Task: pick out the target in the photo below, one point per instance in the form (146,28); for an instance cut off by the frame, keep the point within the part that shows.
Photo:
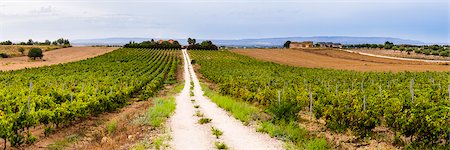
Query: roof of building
(329,43)
(304,42)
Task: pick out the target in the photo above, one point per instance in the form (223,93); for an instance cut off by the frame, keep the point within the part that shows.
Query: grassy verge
(290,132)
(159,142)
(65,142)
(240,110)
(156,116)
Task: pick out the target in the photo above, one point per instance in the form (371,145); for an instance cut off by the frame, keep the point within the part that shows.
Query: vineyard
(59,95)
(416,106)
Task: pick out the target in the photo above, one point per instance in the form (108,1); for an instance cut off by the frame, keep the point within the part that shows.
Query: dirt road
(188,134)
(63,55)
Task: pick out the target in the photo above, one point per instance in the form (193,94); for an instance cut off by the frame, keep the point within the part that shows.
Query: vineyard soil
(54,57)
(401,54)
(336,59)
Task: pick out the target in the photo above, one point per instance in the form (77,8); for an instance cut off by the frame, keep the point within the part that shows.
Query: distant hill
(261,42)
(107,41)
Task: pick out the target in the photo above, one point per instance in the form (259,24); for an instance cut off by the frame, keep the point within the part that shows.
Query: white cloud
(48,19)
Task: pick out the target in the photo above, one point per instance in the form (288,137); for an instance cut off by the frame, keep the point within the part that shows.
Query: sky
(423,20)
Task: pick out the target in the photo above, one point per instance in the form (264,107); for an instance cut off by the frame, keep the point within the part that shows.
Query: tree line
(205,45)
(437,50)
(60,42)
(154,44)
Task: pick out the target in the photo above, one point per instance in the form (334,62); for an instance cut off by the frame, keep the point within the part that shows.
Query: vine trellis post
(29,96)
(96,88)
(310,101)
(364,102)
(381,91)
(449,92)
(279,98)
(411,90)
(337,90)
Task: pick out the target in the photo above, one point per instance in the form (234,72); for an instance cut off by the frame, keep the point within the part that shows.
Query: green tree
(206,43)
(445,53)
(47,42)
(35,53)
(286,44)
(8,42)
(401,48)
(191,41)
(388,45)
(395,48)
(409,50)
(30,42)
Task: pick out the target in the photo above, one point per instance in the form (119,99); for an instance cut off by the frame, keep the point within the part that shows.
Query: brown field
(63,55)
(337,59)
(12,50)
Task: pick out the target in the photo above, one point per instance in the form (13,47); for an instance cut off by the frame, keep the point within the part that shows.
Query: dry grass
(13,50)
(337,59)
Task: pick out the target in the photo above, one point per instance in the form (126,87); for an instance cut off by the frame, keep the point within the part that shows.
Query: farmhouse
(304,44)
(329,44)
(170,41)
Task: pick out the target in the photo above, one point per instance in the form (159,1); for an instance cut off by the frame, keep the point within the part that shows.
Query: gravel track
(188,134)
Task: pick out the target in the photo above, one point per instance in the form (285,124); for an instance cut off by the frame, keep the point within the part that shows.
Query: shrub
(111,127)
(285,110)
(445,53)
(426,52)
(35,53)
(48,130)
(21,50)
(221,145)
(31,138)
(3,55)
(216,132)
(318,143)
(204,120)
(418,51)
(435,53)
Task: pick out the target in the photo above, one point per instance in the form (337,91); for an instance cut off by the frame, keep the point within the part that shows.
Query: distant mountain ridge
(262,42)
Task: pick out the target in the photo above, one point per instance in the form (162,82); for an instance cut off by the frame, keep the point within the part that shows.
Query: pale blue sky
(424,20)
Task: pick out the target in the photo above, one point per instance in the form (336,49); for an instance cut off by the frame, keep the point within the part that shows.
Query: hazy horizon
(426,21)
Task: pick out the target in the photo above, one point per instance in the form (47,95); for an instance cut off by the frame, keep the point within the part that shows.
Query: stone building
(329,45)
(304,44)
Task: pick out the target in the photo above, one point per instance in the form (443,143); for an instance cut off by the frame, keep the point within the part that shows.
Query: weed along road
(191,132)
